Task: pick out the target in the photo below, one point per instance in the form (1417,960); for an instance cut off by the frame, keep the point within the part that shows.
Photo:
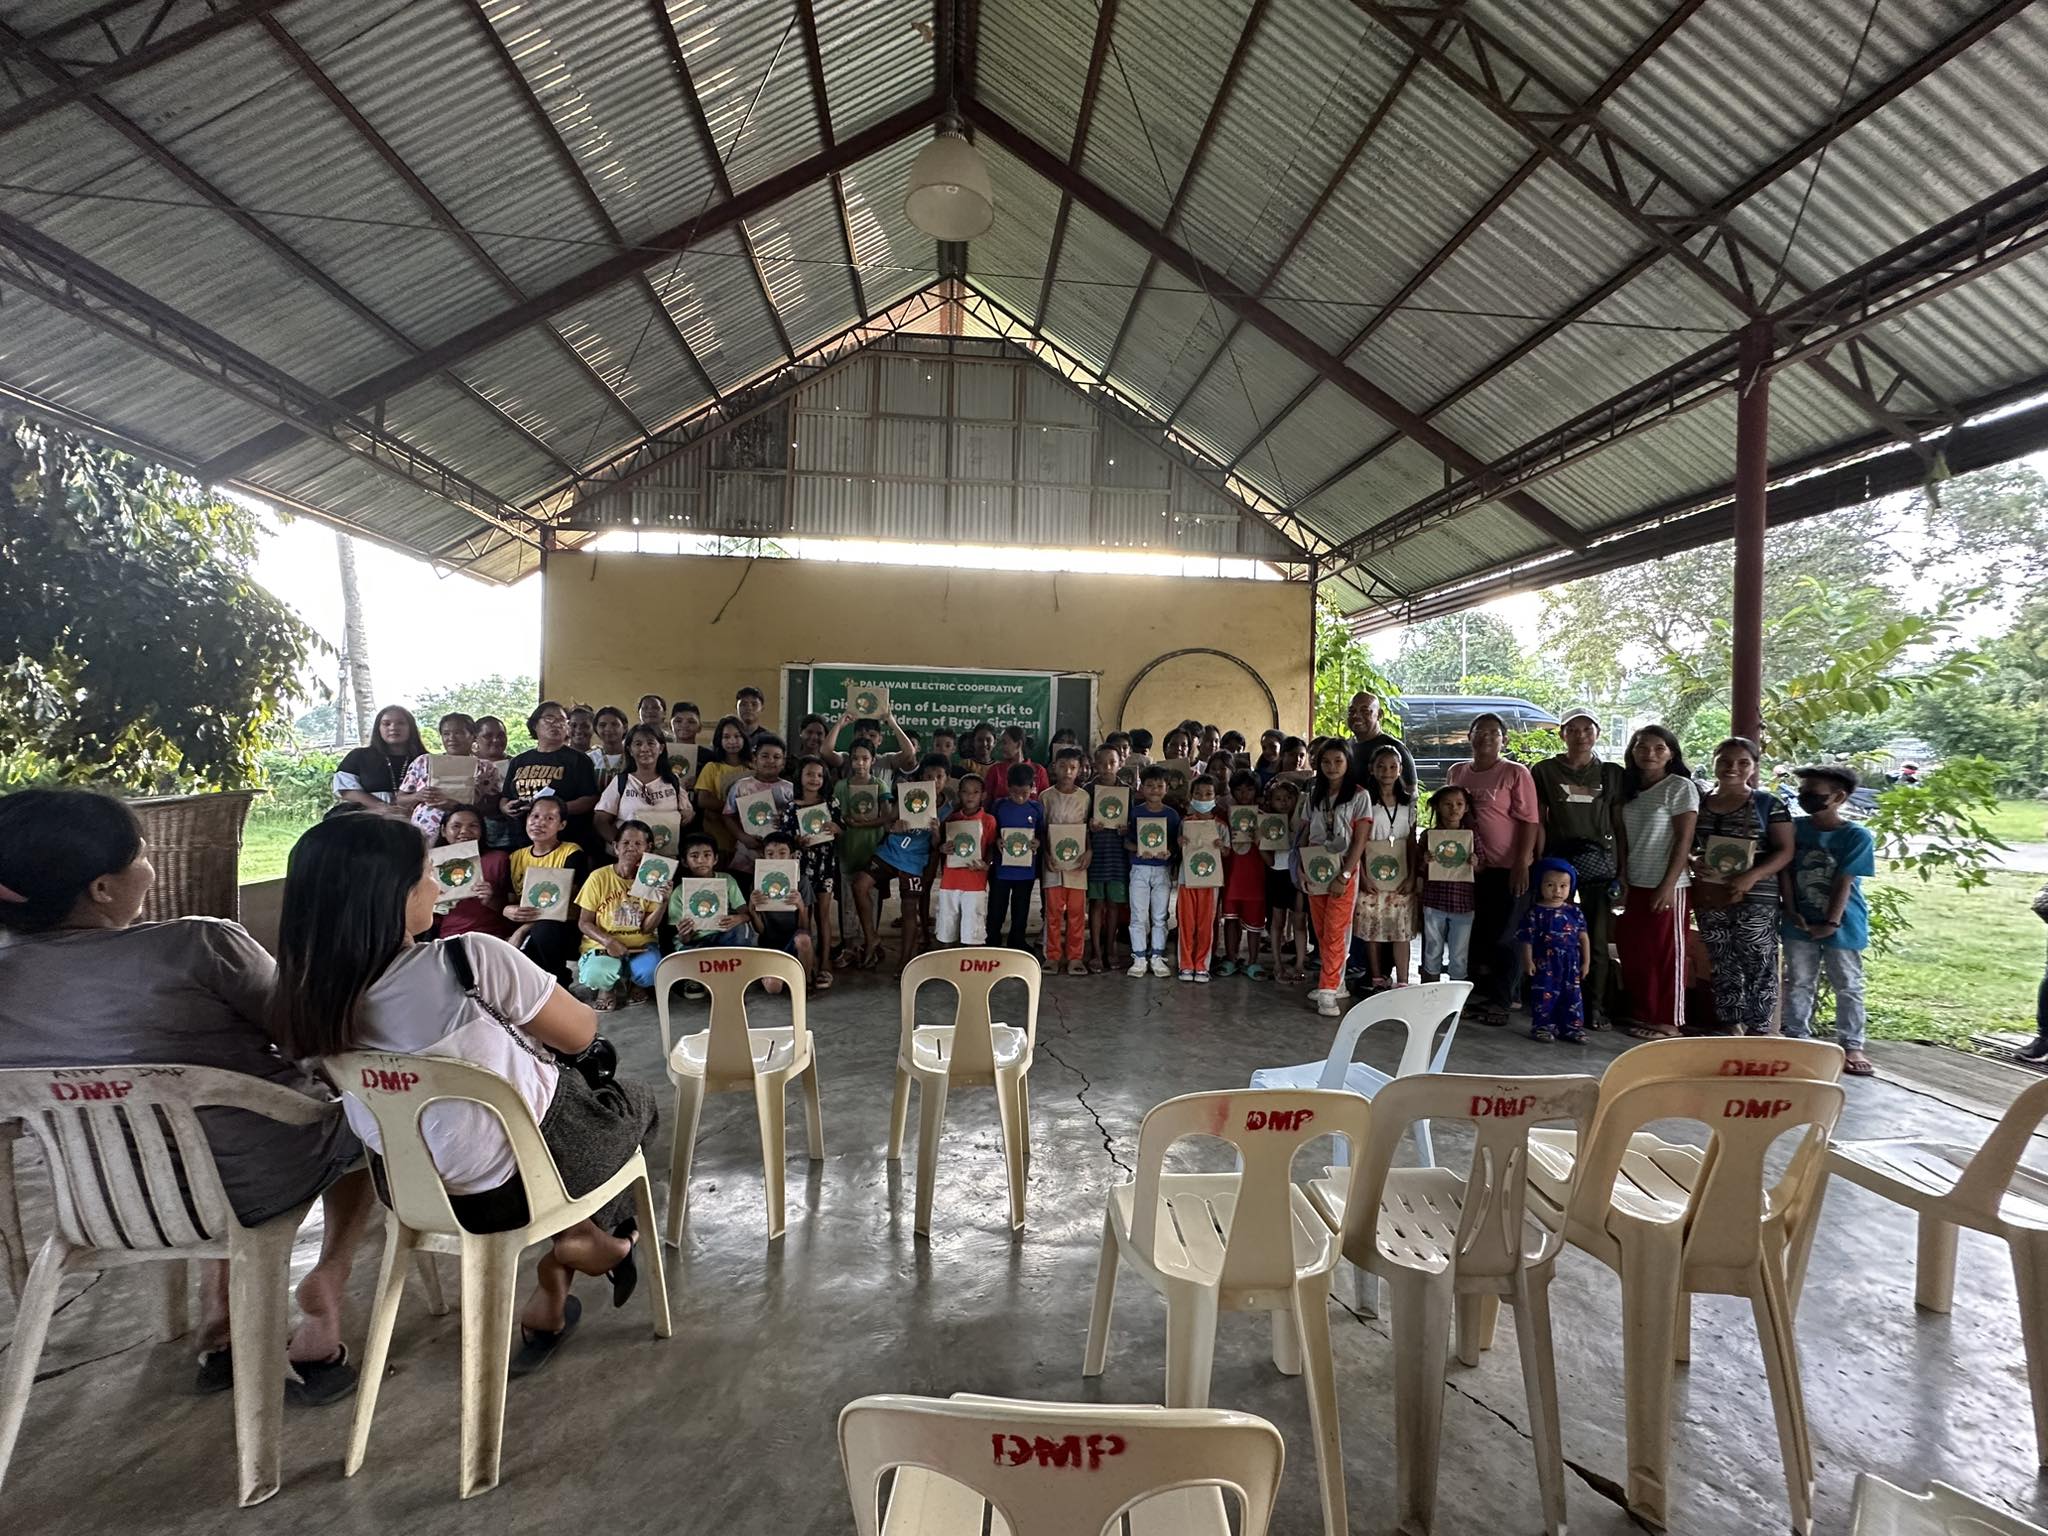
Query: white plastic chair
(729,1057)
(398,1090)
(13,1245)
(967,1463)
(133,1182)
(1249,1241)
(1883,1509)
(1986,1190)
(1421,1010)
(971,1051)
(1725,1234)
(1443,1241)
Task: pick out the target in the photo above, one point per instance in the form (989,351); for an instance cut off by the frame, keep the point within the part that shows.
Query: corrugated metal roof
(1734,87)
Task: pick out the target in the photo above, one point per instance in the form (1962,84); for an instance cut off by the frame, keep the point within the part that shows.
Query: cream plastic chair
(1443,1241)
(117,1142)
(1248,1241)
(1420,1010)
(398,1090)
(729,1057)
(1726,1234)
(971,1051)
(1882,1509)
(13,1245)
(1054,1469)
(1986,1190)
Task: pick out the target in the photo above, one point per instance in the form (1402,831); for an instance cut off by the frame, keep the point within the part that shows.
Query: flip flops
(537,1349)
(320,1382)
(625,1274)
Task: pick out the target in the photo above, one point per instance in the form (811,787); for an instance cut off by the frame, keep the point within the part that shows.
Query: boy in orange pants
(1197,904)
(1066,906)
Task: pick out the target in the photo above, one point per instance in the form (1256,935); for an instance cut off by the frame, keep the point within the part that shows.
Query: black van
(1436,727)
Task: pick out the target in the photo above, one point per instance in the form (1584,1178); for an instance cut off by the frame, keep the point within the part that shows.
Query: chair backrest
(972,974)
(1267,1126)
(117,1140)
(727,971)
(1421,1010)
(1747,1056)
(1501,1111)
(398,1089)
(1058,1469)
(1724,1214)
(1981,1190)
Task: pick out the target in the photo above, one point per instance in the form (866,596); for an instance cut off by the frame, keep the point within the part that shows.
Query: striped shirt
(1648,819)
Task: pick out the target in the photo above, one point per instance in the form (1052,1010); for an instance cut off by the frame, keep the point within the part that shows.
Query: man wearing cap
(1576,794)
(1367,738)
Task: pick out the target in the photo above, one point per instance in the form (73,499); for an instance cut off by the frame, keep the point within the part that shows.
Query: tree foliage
(1445,655)
(143,652)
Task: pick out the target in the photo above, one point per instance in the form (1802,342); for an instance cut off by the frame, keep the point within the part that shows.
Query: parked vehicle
(1436,727)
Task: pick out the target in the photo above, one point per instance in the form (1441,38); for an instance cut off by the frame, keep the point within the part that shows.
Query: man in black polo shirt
(1367,738)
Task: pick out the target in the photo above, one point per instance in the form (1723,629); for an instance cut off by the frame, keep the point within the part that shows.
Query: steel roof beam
(2001,229)
(1378,115)
(117,53)
(623,266)
(1645,195)
(1224,88)
(1288,337)
(60,277)
(1084,115)
(814,66)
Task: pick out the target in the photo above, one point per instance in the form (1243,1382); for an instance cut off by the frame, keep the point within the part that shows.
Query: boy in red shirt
(960,907)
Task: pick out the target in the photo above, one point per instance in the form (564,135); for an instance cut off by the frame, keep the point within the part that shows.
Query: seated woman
(83,984)
(352,978)
(483,909)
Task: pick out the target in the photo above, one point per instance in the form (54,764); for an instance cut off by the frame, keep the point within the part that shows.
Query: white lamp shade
(950,197)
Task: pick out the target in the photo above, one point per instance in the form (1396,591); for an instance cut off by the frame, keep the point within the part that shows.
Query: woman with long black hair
(1338,821)
(1653,826)
(351,977)
(371,775)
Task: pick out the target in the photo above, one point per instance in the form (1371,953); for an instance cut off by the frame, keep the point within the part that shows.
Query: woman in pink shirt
(1504,828)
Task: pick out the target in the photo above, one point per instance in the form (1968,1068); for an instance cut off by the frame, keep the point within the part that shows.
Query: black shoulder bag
(597,1063)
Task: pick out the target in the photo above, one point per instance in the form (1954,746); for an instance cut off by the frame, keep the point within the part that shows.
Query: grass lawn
(2020,821)
(1969,964)
(266,843)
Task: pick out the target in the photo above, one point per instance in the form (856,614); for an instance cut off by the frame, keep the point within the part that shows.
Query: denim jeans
(1803,962)
(1151,887)
(1446,943)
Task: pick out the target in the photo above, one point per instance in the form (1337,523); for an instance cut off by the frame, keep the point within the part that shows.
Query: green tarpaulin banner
(924,699)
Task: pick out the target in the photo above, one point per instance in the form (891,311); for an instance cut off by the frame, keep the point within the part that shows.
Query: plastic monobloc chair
(1444,1241)
(398,1090)
(134,1182)
(730,1057)
(1248,1241)
(1884,1509)
(971,1051)
(1724,1234)
(967,1463)
(1987,1190)
(13,1245)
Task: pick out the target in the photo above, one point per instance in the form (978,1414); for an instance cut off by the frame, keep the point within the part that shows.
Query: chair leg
(13,1245)
(2030,1272)
(490,1274)
(1649,1314)
(174,1299)
(1422,1342)
(430,1280)
(1478,1316)
(1309,1323)
(1539,1384)
(772,1111)
(399,1241)
(1425,1148)
(31,1329)
(1286,1342)
(1800,1250)
(1681,1329)
(1934,1267)
(1024,1117)
(655,1280)
(899,1115)
(1781,1366)
(1365,1291)
(931,1121)
(259,1326)
(1105,1299)
(814,1114)
(689,1106)
(1190,1344)
(1009,1115)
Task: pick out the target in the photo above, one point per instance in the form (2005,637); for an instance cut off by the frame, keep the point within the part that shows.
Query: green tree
(2002,715)
(1992,524)
(1345,667)
(143,652)
(511,699)
(1440,655)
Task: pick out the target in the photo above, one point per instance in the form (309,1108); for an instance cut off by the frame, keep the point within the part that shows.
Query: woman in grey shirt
(83,984)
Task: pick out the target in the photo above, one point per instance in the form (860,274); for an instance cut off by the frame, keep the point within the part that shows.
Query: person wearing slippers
(1653,827)
(1827,923)
(351,977)
(1501,803)
(82,983)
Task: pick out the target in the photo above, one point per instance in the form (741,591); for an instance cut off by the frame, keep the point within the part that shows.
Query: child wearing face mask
(1827,923)
(1196,905)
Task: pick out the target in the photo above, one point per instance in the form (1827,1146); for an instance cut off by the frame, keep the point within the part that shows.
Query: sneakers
(1160,967)
(2034,1051)
(1188,976)
(1137,967)
(1326,1005)
(1202,977)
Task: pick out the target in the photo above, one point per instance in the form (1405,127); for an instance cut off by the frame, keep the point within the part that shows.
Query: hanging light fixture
(950,197)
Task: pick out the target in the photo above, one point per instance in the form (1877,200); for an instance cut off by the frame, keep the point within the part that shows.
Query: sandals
(1649,1032)
(1859,1067)
(1253,971)
(822,981)
(316,1383)
(871,959)
(846,957)
(625,1274)
(606,1001)
(537,1349)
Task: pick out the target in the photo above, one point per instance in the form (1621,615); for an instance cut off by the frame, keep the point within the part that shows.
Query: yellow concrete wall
(618,625)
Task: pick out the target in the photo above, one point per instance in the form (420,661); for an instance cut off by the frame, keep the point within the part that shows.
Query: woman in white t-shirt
(350,977)
(1653,827)
(1338,821)
(646,784)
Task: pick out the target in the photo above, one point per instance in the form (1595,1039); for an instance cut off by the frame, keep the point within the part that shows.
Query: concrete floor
(728,1427)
